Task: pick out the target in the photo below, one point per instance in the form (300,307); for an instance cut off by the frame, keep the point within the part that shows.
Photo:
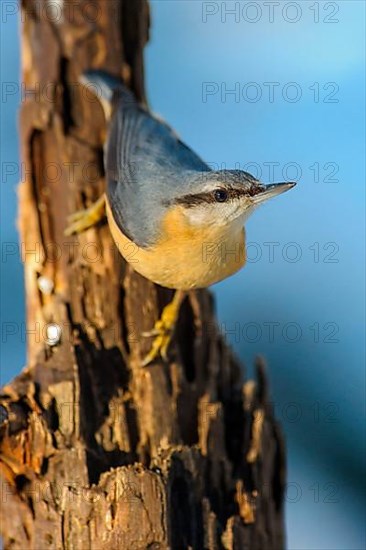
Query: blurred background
(277,89)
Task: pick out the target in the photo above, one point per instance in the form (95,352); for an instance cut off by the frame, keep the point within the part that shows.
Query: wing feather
(146,164)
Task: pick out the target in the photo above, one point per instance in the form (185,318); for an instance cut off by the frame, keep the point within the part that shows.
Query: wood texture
(96,451)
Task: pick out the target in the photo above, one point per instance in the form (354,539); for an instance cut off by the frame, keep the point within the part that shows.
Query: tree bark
(96,451)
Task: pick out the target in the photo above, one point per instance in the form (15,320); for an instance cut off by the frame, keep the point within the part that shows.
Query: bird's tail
(109,89)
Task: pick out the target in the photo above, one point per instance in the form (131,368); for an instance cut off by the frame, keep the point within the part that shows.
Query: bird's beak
(272,190)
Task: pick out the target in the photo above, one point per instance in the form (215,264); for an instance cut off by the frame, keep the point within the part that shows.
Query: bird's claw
(162,332)
(159,347)
(84,219)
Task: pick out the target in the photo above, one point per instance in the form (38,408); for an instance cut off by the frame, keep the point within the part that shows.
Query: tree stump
(96,451)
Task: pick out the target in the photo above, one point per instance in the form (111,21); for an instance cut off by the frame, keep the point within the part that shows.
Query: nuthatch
(173,218)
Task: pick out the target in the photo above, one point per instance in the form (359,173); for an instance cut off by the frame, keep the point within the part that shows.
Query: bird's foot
(83,219)
(163,330)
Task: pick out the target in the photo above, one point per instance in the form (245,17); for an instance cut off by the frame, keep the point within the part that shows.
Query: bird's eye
(221,195)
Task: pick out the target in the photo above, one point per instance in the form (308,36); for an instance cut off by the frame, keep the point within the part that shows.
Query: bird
(179,223)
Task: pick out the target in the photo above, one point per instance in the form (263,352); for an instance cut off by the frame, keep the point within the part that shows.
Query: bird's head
(224,197)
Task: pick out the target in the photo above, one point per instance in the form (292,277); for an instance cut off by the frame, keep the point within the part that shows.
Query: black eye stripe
(210,197)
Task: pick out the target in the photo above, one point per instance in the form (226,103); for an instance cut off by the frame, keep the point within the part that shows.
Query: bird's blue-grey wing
(146,165)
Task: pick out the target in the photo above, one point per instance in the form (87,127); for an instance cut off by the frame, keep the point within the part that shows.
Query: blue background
(315,304)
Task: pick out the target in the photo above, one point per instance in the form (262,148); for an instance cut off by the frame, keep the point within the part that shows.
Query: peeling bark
(96,451)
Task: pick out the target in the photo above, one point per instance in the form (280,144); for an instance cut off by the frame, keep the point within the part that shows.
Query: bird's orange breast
(185,256)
